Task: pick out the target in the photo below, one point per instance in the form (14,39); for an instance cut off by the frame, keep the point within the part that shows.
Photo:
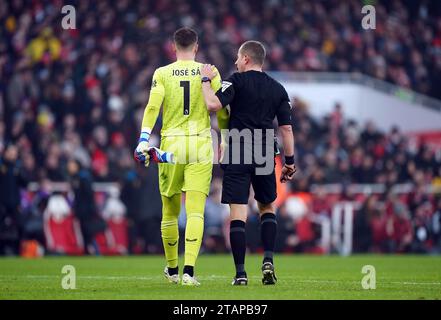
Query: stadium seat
(61,229)
(114,240)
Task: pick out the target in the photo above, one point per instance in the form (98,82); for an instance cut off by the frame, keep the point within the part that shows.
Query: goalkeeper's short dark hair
(185,38)
(255,50)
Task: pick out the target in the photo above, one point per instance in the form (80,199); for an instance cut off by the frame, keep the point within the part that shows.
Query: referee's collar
(254,71)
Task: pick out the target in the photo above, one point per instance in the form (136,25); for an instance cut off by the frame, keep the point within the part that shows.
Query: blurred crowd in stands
(404,215)
(71,102)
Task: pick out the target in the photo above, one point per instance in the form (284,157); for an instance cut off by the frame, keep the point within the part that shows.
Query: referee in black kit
(254,100)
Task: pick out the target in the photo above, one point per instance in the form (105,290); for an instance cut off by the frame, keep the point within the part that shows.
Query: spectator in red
(400,228)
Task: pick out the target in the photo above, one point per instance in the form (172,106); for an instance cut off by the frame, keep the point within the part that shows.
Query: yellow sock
(194,230)
(171,206)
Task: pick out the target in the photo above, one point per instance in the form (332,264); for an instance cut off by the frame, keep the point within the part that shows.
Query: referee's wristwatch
(205,79)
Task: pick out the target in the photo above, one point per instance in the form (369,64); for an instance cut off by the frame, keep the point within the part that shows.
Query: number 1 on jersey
(186,86)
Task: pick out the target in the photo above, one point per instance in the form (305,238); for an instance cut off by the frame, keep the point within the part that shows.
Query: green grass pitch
(300,277)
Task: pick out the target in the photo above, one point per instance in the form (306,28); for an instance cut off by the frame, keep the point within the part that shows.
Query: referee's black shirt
(254,99)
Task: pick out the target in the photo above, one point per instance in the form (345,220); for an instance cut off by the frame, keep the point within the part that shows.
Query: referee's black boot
(268,274)
(241,280)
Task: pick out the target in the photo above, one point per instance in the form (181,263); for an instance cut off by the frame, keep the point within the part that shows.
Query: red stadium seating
(63,236)
(114,240)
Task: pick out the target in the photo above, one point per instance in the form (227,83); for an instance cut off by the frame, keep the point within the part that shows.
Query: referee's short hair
(255,50)
(185,38)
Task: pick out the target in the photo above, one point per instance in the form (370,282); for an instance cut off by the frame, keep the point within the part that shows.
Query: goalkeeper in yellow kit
(186,134)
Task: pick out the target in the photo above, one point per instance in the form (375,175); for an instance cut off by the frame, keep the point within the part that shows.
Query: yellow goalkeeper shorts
(193,166)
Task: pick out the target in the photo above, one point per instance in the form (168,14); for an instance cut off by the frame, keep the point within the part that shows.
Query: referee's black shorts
(237,181)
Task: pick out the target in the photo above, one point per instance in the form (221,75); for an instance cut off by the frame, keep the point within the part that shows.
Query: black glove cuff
(289,160)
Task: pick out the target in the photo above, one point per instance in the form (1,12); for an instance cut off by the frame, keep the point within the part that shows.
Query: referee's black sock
(268,230)
(238,246)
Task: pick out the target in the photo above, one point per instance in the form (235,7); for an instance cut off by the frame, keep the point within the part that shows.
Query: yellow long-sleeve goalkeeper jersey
(177,87)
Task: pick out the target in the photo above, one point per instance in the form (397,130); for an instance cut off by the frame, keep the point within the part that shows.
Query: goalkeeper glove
(141,152)
(159,156)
